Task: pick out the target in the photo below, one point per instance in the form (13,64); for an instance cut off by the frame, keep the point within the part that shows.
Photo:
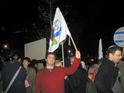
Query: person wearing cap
(51,78)
(108,71)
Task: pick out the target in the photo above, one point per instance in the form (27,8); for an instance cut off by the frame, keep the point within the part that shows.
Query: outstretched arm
(74,66)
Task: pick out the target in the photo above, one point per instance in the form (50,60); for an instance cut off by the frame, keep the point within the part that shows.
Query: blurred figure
(121,74)
(31,74)
(37,64)
(58,63)
(8,72)
(17,57)
(93,71)
(91,77)
(76,83)
(1,66)
(108,70)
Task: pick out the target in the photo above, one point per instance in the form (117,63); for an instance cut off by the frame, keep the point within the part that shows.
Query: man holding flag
(51,78)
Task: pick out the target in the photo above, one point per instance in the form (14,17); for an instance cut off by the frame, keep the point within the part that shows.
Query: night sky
(88,20)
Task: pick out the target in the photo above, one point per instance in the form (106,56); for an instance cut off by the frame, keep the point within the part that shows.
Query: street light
(5,46)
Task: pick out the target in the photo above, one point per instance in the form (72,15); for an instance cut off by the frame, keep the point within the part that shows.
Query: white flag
(100,52)
(60,31)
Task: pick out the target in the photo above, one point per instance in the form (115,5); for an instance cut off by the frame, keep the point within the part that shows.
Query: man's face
(25,63)
(116,56)
(51,59)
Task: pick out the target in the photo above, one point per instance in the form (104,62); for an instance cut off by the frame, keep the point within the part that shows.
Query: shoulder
(106,66)
(105,63)
(41,71)
(31,69)
(59,68)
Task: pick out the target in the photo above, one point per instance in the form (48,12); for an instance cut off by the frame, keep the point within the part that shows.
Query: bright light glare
(5,46)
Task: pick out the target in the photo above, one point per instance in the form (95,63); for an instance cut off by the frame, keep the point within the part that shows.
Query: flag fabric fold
(60,31)
(100,52)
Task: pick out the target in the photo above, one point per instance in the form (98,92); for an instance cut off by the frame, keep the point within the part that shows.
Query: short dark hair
(113,49)
(51,53)
(27,58)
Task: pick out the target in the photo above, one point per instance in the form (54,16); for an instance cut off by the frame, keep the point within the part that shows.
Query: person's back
(108,71)
(31,74)
(106,77)
(8,72)
(121,68)
(90,88)
(77,81)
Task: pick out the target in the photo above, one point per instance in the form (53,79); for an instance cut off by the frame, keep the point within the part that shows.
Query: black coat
(8,72)
(106,77)
(76,82)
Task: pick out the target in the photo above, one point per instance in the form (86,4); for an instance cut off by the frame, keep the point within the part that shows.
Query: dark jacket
(8,72)
(77,81)
(106,77)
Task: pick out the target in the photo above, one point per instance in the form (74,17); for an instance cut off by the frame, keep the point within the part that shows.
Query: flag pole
(63,58)
(73,43)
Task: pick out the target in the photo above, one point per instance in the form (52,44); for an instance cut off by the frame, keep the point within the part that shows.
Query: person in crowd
(58,63)
(1,66)
(38,64)
(92,71)
(77,81)
(108,71)
(51,78)
(8,71)
(31,74)
(120,84)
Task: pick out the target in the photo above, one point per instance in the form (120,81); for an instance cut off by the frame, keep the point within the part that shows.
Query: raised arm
(74,66)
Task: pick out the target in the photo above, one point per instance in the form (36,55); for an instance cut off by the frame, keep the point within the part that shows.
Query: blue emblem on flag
(57,29)
(57,32)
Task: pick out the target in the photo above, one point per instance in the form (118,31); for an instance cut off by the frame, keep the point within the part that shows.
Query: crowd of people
(23,75)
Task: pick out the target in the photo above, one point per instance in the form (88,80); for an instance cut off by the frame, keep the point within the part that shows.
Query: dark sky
(88,20)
